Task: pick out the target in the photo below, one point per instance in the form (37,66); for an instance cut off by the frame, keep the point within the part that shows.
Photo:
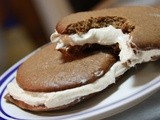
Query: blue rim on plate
(98,111)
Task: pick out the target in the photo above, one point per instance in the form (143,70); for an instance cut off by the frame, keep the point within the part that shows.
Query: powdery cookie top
(48,71)
(141,22)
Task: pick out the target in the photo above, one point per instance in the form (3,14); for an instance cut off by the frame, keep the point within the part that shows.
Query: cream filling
(105,36)
(108,36)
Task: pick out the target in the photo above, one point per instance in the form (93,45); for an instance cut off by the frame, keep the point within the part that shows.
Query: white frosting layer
(108,36)
(104,36)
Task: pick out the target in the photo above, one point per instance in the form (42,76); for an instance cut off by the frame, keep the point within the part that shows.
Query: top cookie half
(142,23)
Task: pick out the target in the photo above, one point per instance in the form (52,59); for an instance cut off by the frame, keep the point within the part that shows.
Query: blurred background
(26,25)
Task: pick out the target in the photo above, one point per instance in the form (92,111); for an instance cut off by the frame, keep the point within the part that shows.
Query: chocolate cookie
(49,71)
(142,22)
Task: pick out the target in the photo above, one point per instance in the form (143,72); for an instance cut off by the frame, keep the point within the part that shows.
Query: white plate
(132,88)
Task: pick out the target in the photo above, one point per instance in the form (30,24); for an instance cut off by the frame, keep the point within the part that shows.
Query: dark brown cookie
(48,71)
(141,22)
